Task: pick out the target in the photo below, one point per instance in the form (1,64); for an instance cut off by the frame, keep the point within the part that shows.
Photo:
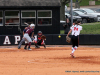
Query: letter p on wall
(17,38)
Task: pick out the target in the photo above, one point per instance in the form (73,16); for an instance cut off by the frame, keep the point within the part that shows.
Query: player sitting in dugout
(38,41)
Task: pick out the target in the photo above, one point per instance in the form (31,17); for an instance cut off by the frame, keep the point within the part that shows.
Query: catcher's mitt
(43,37)
(68,39)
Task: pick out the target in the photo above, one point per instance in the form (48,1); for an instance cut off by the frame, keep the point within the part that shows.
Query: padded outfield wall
(52,39)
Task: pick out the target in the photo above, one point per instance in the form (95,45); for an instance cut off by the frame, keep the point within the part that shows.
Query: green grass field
(89,28)
(86,2)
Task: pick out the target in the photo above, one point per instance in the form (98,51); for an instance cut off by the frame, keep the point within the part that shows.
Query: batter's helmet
(32,25)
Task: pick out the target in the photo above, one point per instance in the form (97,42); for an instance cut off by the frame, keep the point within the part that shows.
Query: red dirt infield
(55,60)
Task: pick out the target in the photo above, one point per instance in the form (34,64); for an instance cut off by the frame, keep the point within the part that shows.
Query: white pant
(27,37)
(31,39)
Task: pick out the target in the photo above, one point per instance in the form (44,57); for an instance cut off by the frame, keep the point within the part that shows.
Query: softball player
(38,41)
(26,36)
(23,39)
(75,36)
(32,38)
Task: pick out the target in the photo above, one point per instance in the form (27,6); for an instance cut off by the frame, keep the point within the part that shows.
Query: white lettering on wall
(17,38)
(7,41)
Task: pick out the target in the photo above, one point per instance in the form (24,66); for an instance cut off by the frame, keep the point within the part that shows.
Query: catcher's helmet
(39,33)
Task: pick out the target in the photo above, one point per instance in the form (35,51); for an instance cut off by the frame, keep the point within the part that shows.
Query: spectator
(41,21)
(9,22)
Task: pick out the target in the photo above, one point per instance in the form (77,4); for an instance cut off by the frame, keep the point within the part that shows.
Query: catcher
(39,41)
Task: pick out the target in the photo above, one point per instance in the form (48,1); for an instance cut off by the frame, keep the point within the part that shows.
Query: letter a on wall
(7,41)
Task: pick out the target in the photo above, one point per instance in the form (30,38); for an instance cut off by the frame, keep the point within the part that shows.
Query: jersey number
(27,30)
(75,28)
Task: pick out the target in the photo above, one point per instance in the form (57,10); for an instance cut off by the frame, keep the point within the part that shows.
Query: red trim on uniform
(35,41)
(75,48)
(39,38)
(42,42)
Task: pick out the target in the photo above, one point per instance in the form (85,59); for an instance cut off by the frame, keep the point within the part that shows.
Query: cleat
(72,55)
(25,48)
(29,49)
(37,47)
(44,46)
(19,48)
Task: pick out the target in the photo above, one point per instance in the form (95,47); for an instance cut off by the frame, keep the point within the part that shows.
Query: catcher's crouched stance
(39,41)
(75,36)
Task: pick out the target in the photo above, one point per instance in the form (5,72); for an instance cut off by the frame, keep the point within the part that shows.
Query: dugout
(45,14)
